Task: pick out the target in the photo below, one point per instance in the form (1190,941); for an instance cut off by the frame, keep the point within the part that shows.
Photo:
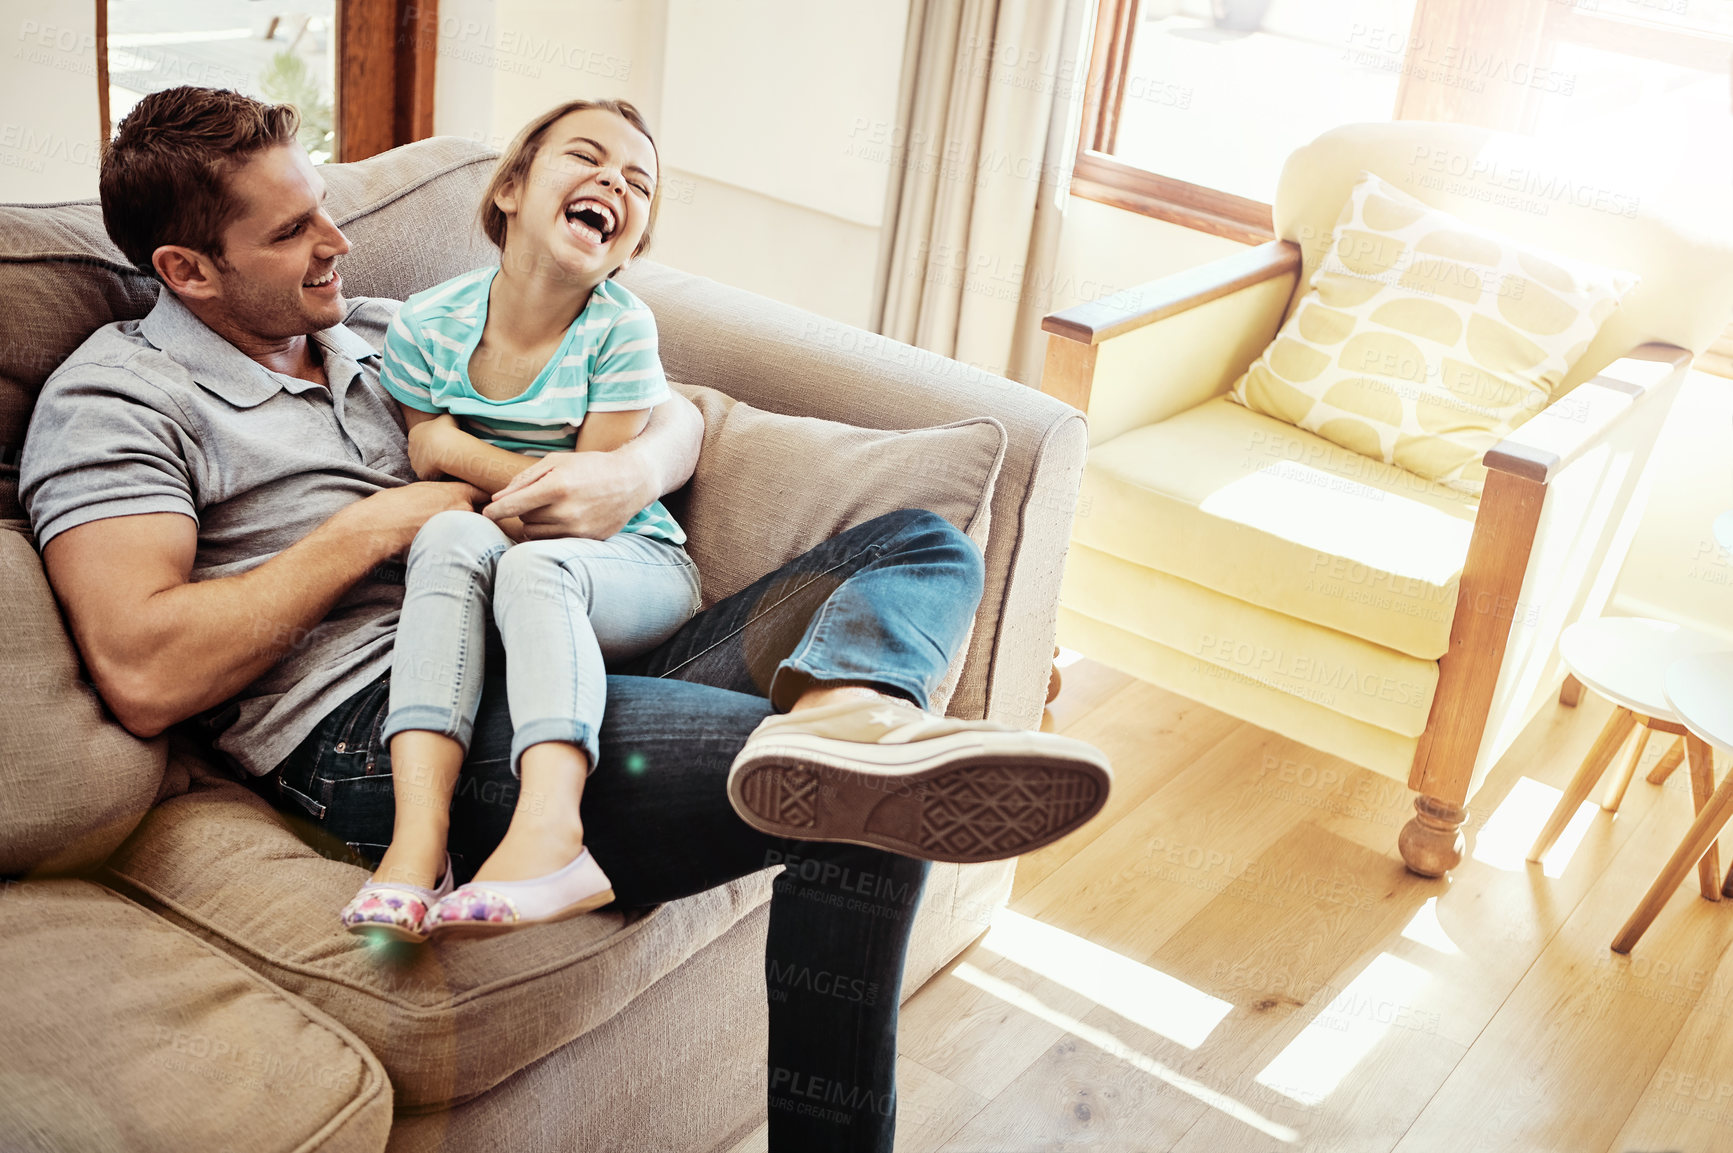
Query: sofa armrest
(1563,497)
(783,359)
(1584,417)
(1150,352)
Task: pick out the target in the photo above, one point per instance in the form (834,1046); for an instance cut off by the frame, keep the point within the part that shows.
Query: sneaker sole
(965,798)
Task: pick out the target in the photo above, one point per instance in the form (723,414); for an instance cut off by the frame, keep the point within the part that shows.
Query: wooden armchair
(1332,598)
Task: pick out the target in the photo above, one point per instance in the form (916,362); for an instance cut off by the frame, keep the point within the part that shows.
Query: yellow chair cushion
(1311,724)
(1423,340)
(1255,509)
(1228,639)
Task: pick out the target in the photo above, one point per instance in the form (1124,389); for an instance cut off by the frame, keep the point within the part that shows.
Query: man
(235,446)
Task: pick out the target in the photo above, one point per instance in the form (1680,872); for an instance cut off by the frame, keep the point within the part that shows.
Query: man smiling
(236,448)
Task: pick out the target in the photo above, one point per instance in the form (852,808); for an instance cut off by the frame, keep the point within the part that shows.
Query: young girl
(492,370)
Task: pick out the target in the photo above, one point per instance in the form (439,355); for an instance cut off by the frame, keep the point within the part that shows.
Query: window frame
(1100,176)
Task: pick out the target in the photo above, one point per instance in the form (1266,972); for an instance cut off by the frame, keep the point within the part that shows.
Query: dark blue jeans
(887,603)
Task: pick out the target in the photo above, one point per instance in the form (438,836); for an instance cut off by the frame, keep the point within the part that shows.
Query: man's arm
(161,647)
(594,494)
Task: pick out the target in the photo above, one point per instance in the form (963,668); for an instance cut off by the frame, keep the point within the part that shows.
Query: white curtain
(990,105)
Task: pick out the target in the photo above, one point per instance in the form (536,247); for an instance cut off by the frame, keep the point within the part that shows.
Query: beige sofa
(174,976)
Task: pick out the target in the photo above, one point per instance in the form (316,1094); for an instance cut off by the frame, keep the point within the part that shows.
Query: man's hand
(594,494)
(390,518)
(427,444)
(583,494)
(161,646)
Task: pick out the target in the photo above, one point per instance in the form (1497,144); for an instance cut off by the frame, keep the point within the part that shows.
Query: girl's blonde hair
(514,164)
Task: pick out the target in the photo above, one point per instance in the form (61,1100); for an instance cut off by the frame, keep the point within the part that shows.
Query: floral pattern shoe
(482,907)
(393,910)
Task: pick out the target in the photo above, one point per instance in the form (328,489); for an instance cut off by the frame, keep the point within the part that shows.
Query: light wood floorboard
(1232,959)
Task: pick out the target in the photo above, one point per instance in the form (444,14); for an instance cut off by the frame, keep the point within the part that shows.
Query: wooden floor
(1232,959)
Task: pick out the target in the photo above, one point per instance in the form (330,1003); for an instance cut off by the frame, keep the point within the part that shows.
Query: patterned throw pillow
(1423,341)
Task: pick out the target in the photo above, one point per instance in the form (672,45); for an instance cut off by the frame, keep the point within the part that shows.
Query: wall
(50,127)
(1103,250)
(1676,571)
(764,105)
(760,187)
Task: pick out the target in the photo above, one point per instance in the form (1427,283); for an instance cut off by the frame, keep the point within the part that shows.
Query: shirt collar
(227,371)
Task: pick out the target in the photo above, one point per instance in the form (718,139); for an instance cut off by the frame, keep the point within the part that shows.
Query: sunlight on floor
(1119,1050)
(1425,929)
(1144,996)
(1067,658)
(1336,1040)
(1513,826)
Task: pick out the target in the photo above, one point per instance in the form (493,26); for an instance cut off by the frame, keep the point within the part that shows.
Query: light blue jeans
(562,608)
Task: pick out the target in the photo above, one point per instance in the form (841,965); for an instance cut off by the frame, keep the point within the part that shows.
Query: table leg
(1621,781)
(1701,759)
(1571,693)
(1702,834)
(1601,753)
(1670,760)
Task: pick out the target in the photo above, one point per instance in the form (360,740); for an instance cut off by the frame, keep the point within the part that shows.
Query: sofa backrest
(1556,199)
(63,278)
(411,216)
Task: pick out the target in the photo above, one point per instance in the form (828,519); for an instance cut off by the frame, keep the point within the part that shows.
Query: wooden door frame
(386,50)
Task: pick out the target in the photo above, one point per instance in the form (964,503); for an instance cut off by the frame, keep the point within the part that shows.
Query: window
(359,71)
(1194,104)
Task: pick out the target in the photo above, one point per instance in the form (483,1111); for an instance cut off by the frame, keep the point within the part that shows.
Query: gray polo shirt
(164,415)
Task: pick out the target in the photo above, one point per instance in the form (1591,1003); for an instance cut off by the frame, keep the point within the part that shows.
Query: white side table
(1625,659)
(1724,530)
(1700,691)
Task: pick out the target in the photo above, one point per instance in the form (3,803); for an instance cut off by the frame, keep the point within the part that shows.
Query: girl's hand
(427,444)
(584,494)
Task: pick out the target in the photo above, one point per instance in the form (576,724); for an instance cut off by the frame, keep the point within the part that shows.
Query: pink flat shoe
(394,911)
(483,907)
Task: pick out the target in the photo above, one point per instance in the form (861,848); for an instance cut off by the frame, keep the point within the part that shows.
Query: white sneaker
(886,774)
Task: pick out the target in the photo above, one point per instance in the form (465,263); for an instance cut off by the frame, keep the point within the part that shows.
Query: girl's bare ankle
(413,861)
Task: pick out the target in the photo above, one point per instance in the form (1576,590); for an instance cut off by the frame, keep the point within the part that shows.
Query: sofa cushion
(1318,726)
(770,486)
(449,1019)
(73,783)
(1423,340)
(1232,639)
(1243,504)
(123,1032)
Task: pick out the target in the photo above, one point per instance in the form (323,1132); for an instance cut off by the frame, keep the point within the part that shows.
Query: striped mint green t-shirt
(607,363)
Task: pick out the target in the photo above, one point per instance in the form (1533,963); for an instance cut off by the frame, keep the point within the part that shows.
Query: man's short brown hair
(514,164)
(165,175)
